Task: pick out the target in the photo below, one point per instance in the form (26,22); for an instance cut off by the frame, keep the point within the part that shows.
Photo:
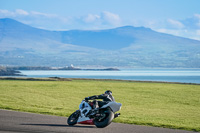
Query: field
(153,104)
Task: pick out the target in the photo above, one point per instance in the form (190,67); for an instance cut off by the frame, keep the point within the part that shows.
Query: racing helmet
(108,92)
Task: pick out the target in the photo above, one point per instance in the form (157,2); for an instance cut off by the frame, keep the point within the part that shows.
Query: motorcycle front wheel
(101,123)
(73,118)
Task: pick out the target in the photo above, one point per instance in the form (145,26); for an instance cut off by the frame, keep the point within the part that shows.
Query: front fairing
(84,108)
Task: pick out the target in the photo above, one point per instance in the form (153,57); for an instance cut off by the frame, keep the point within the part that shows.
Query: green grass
(154,104)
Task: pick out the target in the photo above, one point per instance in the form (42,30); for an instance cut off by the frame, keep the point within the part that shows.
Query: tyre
(101,123)
(73,118)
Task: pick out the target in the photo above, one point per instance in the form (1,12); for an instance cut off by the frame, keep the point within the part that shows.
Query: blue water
(166,75)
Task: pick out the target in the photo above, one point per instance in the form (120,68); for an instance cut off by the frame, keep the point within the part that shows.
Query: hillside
(126,46)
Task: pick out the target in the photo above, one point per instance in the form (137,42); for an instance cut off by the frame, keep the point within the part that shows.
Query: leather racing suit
(106,99)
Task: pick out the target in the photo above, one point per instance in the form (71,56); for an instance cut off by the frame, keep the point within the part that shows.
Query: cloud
(170,31)
(91,18)
(36,19)
(17,12)
(6,13)
(111,18)
(192,34)
(34,13)
(192,22)
(175,24)
(99,21)
(198,19)
(198,32)
(21,12)
(197,16)
(188,27)
(103,20)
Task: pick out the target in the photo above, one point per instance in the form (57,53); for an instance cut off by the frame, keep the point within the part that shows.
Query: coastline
(140,75)
(62,68)
(15,71)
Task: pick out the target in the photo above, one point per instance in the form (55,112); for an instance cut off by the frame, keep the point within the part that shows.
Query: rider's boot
(116,115)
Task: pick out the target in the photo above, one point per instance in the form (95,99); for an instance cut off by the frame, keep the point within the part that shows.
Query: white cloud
(105,18)
(21,12)
(17,12)
(175,23)
(91,18)
(197,15)
(53,22)
(111,18)
(172,31)
(36,19)
(34,13)
(188,27)
(192,34)
(198,33)
(6,13)
(192,22)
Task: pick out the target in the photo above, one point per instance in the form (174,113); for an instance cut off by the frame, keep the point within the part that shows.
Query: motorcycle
(100,117)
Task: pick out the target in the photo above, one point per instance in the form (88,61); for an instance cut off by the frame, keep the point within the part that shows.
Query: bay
(165,75)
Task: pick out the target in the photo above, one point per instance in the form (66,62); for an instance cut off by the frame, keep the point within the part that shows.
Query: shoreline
(71,79)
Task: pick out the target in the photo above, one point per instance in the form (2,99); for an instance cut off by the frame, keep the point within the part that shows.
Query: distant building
(72,66)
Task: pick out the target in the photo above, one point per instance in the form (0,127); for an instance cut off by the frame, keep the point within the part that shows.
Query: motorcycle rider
(107,97)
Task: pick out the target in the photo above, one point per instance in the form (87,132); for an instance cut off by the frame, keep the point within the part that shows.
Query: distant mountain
(126,46)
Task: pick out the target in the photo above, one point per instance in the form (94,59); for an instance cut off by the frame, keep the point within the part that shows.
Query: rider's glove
(86,99)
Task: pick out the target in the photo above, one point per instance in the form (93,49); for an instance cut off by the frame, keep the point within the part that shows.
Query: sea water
(166,75)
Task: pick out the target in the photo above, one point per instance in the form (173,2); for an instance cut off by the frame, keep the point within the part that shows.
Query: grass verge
(154,104)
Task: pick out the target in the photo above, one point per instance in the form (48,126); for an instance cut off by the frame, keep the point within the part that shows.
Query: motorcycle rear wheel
(73,118)
(106,121)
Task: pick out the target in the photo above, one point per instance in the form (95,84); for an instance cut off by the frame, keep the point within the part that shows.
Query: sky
(176,17)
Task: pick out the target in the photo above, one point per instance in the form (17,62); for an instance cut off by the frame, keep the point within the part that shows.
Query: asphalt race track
(19,122)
